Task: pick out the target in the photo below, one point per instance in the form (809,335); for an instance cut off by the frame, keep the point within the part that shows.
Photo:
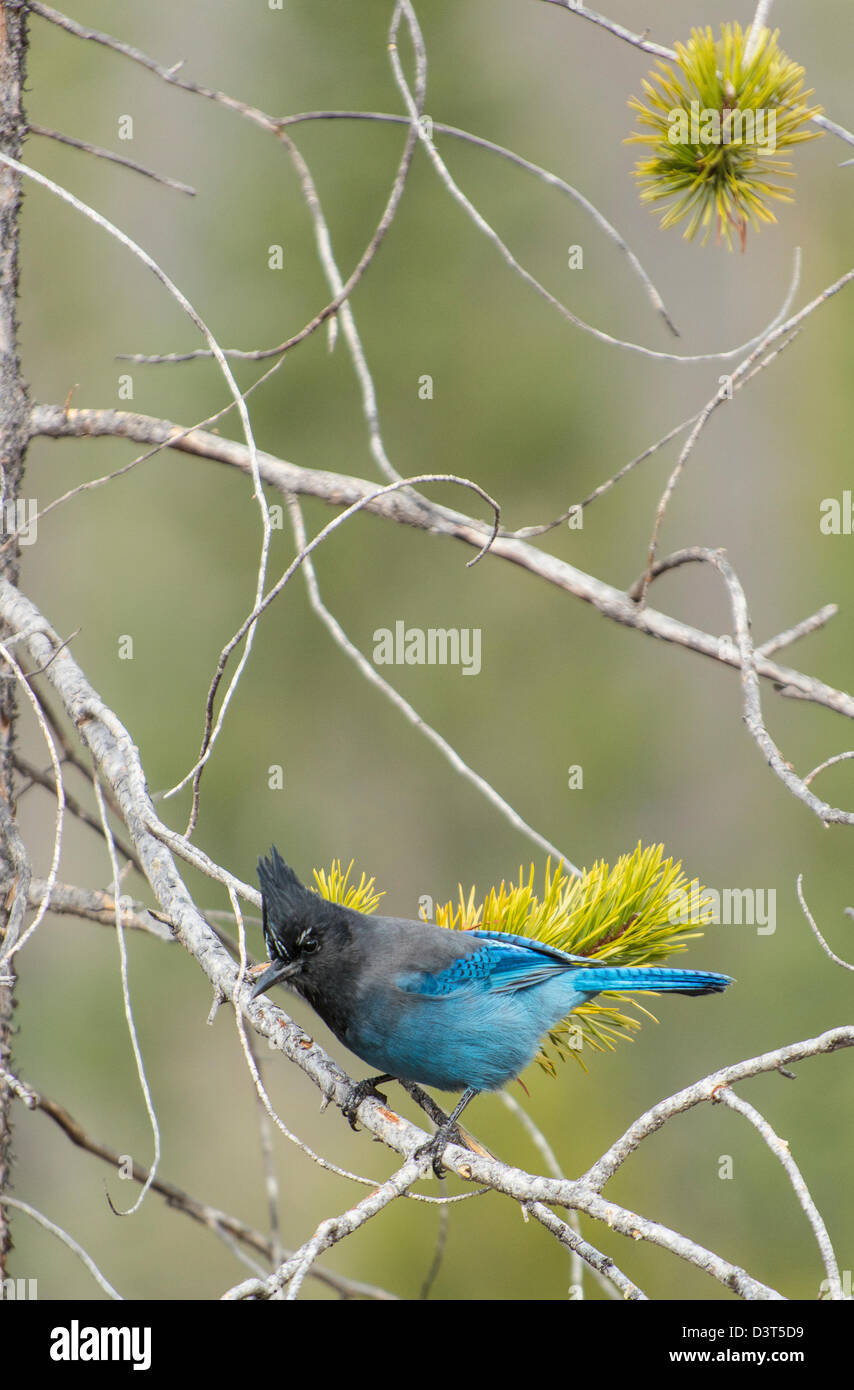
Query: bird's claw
(447,1133)
(360,1092)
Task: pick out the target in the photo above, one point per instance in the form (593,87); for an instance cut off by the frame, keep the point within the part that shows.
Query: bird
(455,1010)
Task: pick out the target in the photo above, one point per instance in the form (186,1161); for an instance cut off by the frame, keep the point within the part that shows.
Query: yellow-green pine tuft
(335,886)
(731,115)
(620,916)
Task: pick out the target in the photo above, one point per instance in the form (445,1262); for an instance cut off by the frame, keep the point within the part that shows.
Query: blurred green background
(538,413)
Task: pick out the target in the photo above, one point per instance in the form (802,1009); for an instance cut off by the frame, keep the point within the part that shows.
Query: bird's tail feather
(660,979)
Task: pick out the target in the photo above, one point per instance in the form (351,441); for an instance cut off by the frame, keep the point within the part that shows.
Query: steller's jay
(459,1010)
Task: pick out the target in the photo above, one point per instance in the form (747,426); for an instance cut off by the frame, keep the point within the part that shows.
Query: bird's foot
(360,1092)
(447,1133)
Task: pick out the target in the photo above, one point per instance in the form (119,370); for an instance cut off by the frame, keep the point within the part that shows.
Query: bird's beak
(279,972)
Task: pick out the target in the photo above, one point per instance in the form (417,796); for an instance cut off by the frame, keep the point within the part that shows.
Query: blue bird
(458,1010)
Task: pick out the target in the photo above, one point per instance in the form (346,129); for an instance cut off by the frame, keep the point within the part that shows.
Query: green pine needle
(336,888)
(719,171)
(619,916)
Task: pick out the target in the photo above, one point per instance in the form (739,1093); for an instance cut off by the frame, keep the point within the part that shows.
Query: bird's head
(297,924)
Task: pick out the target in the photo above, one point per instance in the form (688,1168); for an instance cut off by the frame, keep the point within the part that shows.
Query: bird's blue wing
(529,943)
(504,963)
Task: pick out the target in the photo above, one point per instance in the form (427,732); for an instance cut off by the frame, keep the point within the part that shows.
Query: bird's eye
(308,943)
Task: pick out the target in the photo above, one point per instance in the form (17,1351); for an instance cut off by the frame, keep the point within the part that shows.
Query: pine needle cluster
(637,913)
(715,127)
(335,886)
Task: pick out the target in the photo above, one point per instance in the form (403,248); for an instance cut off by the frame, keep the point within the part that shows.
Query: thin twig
(438,1252)
(268,1161)
(213,726)
(524,532)
(706,1090)
(340,489)
(760,22)
(549,1157)
(97,905)
(837,960)
(618,30)
(292,1272)
(782,330)
(606,1270)
(641,41)
(546,175)
(406,709)
(66,1239)
(118,762)
(828,762)
(749,678)
(489,232)
(114,158)
(211,730)
(220,1222)
(72,805)
(128,1007)
(13,939)
(780,1149)
(793,634)
(152,265)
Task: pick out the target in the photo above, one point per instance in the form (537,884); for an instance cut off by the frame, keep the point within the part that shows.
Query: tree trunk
(14,415)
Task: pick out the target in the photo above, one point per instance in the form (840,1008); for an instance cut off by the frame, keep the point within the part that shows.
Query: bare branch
(837,960)
(706,1090)
(546,175)
(118,762)
(780,1149)
(96,905)
(66,1239)
(828,762)
(793,634)
(35,774)
(749,678)
(343,489)
(641,41)
(112,157)
(128,1007)
(291,1274)
(618,30)
(602,1265)
(760,22)
(220,1222)
(406,709)
(13,941)
(489,232)
(773,336)
(237,397)
(166,74)
(213,727)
